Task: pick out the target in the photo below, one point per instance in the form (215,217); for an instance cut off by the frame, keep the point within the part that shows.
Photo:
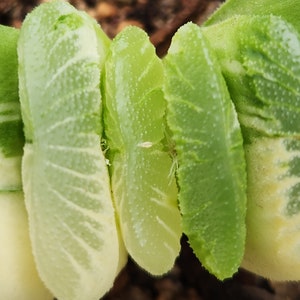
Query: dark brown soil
(187,280)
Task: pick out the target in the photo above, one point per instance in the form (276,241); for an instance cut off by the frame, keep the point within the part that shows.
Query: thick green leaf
(18,275)
(66,183)
(212,172)
(11,133)
(260,59)
(143,184)
(287,9)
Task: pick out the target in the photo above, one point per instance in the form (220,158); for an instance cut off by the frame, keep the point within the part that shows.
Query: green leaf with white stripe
(143,184)
(11,133)
(18,275)
(272,247)
(209,146)
(66,183)
(260,59)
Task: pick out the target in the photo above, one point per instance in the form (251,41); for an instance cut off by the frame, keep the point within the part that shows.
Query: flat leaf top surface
(65,177)
(272,60)
(143,185)
(288,9)
(262,71)
(208,140)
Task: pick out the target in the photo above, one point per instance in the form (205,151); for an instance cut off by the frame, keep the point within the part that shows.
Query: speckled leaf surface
(211,173)
(288,9)
(65,177)
(143,184)
(262,70)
